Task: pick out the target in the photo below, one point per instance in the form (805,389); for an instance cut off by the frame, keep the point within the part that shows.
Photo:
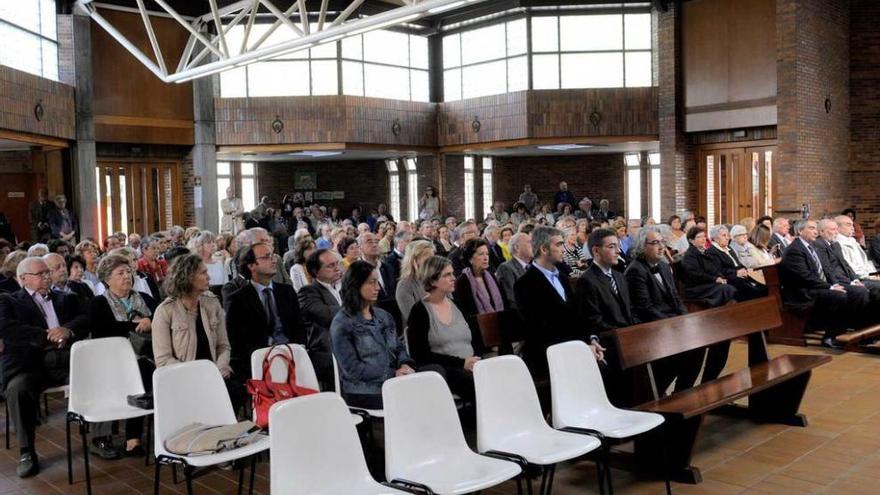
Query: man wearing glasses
(320,301)
(37,327)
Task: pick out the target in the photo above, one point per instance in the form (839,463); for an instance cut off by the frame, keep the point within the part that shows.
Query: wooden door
(17,191)
(138,197)
(736,183)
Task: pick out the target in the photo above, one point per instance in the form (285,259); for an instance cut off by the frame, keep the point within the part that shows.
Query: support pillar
(83,152)
(204,155)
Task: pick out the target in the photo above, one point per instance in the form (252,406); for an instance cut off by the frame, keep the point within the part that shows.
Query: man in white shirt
(852,252)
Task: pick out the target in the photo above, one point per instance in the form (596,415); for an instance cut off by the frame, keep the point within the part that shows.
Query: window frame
(469,188)
(633,205)
(393,187)
(41,38)
(412,188)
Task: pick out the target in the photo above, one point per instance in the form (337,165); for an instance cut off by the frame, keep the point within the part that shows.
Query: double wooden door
(138,197)
(736,183)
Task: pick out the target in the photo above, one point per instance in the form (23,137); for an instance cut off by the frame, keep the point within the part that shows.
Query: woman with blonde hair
(89,252)
(204,244)
(409,288)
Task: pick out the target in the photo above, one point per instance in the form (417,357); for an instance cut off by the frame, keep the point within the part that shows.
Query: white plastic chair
(579,401)
(103,373)
(194,392)
(509,419)
(305,370)
(314,449)
(372,413)
(424,443)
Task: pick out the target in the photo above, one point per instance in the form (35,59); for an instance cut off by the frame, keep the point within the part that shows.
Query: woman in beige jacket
(190,324)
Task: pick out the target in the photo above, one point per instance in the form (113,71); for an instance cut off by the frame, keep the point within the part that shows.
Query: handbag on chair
(265,392)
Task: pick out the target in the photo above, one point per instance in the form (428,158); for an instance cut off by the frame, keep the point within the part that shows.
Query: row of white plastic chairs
(314,445)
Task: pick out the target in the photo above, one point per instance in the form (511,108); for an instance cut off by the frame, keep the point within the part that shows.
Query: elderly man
(511,271)
(37,326)
(466,231)
(604,212)
(781,236)
(585,210)
(731,268)
(232,213)
(62,221)
(563,195)
(60,282)
(804,281)
(862,294)
(852,251)
(319,302)
(528,198)
(134,242)
(393,260)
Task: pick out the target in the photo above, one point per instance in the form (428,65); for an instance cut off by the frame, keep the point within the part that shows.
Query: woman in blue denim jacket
(364,340)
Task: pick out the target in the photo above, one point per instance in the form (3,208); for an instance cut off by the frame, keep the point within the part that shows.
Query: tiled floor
(838,453)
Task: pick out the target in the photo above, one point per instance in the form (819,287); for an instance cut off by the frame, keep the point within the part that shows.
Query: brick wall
(365,182)
(864,172)
(20,93)
(594,176)
(813,64)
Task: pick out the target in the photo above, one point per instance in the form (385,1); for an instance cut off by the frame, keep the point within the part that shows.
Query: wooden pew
(794,317)
(774,386)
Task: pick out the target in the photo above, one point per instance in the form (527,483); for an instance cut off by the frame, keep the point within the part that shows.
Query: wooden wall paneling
(163,212)
(177,195)
(20,92)
(104,211)
(150,221)
(114,199)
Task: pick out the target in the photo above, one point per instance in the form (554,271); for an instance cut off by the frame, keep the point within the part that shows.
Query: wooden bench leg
(680,438)
(780,403)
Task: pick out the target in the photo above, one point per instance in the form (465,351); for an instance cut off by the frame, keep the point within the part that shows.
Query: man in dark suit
(654,296)
(546,302)
(780,240)
(804,281)
(466,231)
(60,282)
(8,284)
(390,268)
(37,327)
(733,271)
(861,294)
(511,271)
(369,245)
(319,302)
(38,214)
(261,312)
(492,234)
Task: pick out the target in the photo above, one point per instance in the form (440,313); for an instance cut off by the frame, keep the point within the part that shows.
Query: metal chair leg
(147,439)
(240,478)
(253,472)
(156,478)
(46,405)
(550,479)
(187,472)
(606,452)
(83,427)
(7,423)
(69,453)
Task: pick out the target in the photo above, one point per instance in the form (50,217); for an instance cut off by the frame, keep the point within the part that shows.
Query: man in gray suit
(509,272)
(319,302)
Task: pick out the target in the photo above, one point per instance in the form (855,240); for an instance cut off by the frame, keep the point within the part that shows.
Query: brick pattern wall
(501,117)
(20,92)
(452,202)
(594,176)
(864,173)
(813,64)
(324,119)
(622,112)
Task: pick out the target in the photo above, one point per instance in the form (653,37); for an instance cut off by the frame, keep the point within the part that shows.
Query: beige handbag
(198,439)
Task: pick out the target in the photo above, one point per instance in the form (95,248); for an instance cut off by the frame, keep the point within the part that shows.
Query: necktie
(267,306)
(613,283)
(818,263)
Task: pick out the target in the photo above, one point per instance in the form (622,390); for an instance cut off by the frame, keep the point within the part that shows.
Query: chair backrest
(336,384)
(576,385)
(187,393)
(421,422)
(103,372)
(507,402)
(647,342)
(490,328)
(314,446)
(305,371)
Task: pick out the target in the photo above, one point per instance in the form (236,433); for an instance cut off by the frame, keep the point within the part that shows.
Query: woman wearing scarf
(476,290)
(120,312)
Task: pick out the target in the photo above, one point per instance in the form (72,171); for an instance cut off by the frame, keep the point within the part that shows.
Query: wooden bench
(774,387)
(794,318)
(692,305)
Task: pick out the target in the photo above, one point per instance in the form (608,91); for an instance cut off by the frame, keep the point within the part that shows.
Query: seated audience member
(498,213)
(428,231)
(585,210)
(858,234)
(759,239)
(654,296)
(511,271)
(409,288)
(349,250)
(861,294)
(150,263)
(476,289)
(8,269)
(492,235)
(563,195)
(437,332)
(299,276)
(325,241)
(190,323)
(118,312)
(466,231)
(444,240)
(804,281)
(702,277)
(262,312)
(60,247)
(875,244)
(143,282)
(364,339)
(249,237)
(520,213)
(731,269)
(38,250)
(37,327)
(572,255)
(76,266)
(528,199)
(604,212)
(740,245)
(504,243)
(623,238)
(781,238)
(392,262)
(545,300)
(319,302)
(369,247)
(204,244)
(852,251)
(62,283)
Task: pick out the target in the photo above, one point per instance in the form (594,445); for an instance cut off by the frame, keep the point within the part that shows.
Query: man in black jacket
(320,301)
(546,302)
(261,312)
(466,231)
(733,271)
(390,268)
(804,281)
(37,327)
(654,296)
(861,294)
(61,283)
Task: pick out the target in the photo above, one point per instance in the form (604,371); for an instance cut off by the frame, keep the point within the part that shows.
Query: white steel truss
(208,49)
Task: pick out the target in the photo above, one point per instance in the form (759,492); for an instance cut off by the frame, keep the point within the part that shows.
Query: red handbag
(265,392)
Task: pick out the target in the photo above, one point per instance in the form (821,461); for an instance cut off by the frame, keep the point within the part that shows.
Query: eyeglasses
(44,273)
(652,243)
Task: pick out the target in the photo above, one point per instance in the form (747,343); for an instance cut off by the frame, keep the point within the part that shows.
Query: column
(83,151)
(205,155)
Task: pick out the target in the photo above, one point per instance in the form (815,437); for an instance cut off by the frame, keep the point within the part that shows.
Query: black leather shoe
(137,451)
(830,343)
(103,448)
(28,465)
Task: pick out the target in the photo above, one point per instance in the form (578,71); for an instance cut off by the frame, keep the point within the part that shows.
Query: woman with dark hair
(120,312)
(287,211)
(299,276)
(364,339)
(349,250)
(476,290)
(438,333)
(429,204)
(701,274)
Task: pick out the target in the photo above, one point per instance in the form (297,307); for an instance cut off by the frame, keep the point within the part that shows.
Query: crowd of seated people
(384,298)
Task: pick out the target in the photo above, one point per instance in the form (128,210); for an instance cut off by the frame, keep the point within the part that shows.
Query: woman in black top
(477,290)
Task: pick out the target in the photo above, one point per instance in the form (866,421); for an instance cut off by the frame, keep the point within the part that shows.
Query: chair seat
(357,419)
(547,446)
(365,487)
(60,388)
(259,445)
(98,413)
(617,423)
(375,413)
(464,473)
